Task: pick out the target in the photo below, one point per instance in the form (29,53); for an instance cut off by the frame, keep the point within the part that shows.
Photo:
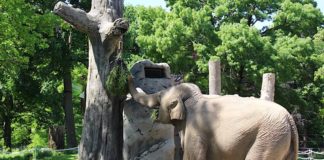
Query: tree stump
(56,137)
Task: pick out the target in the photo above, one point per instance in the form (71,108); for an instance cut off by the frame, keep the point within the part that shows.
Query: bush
(24,155)
(62,156)
(38,138)
(41,154)
(28,154)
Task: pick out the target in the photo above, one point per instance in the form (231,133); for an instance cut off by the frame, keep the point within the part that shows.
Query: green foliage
(38,137)
(154,114)
(31,63)
(293,57)
(22,33)
(44,154)
(252,10)
(116,83)
(22,128)
(23,155)
(2,140)
(40,154)
(299,19)
(60,156)
(184,34)
(244,54)
(318,57)
(34,52)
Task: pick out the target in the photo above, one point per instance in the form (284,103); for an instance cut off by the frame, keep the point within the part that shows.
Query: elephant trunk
(149,100)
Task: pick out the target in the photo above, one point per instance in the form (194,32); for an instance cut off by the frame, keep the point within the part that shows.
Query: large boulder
(144,139)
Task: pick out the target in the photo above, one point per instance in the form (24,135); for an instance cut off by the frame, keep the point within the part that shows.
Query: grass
(62,156)
(41,155)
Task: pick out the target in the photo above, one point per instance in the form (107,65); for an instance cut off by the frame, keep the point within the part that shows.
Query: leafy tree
(32,63)
(298,18)
(21,37)
(251,10)
(184,34)
(245,55)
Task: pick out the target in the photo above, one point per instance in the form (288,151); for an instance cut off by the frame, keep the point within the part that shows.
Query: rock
(144,139)
(155,152)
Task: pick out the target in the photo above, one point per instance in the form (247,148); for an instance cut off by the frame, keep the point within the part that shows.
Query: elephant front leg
(195,148)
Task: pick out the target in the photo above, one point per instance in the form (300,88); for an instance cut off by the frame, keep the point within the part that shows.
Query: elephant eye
(173,104)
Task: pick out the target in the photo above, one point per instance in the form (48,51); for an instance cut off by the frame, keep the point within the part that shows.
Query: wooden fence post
(268,86)
(214,77)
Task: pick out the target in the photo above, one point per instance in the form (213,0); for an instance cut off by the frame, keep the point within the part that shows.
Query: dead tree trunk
(268,86)
(102,127)
(214,77)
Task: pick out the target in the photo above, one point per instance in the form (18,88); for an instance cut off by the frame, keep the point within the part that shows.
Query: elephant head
(172,101)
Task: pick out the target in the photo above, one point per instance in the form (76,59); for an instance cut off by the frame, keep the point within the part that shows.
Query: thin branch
(76,17)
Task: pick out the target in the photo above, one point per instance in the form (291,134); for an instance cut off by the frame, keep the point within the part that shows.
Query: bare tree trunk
(268,86)
(67,96)
(214,77)
(7,119)
(7,131)
(102,127)
(240,80)
(68,109)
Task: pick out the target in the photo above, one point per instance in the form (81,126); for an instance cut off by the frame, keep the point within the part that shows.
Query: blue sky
(320,3)
(146,2)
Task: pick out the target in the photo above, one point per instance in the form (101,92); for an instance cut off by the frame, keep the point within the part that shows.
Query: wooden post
(214,77)
(268,86)
(102,134)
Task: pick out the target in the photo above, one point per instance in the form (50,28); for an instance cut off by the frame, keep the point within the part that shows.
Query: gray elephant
(224,127)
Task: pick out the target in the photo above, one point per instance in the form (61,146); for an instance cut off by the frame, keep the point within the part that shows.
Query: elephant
(226,127)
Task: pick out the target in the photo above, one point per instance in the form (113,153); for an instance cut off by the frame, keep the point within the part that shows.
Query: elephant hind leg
(268,149)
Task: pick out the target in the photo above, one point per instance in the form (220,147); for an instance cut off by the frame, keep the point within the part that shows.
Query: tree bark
(56,137)
(268,86)
(102,125)
(240,79)
(83,101)
(7,119)
(68,109)
(7,132)
(214,77)
(67,96)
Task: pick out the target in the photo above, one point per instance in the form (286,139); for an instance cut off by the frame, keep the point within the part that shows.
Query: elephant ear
(177,110)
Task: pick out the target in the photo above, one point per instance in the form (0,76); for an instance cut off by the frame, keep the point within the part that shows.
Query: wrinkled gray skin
(224,127)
